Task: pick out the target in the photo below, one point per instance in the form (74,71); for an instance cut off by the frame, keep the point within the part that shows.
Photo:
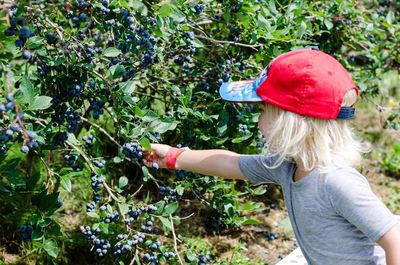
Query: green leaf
(190,255)
(111,52)
(40,103)
(93,215)
(170,208)
(145,173)
(241,139)
(37,234)
(50,245)
(138,111)
(34,42)
(104,228)
(328,24)
(124,208)
(160,207)
(301,30)
(188,97)
(117,160)
(165,10)
(197,43)
(116,71)
(260,190)
(145,143)
(28,90)
(46,202)
(166,223)
(122,182)
(128,87)
(222,125)
(3,189)
(163,126)
(65,183)
(251,222)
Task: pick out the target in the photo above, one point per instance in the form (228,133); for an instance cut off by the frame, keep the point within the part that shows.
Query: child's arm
(214,162)
(390,242)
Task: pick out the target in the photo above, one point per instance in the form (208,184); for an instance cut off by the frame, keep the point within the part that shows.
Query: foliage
(389,161)
(86,85)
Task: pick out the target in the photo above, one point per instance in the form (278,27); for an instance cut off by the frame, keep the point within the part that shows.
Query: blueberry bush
(86,86)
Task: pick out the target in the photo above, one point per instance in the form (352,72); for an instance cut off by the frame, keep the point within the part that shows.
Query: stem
(101,130)
(93,169)
(175,243)
(254,47)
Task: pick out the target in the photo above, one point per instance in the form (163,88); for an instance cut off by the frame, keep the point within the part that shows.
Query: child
(305,98)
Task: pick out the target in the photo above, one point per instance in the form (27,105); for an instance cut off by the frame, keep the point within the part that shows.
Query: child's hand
(157,156)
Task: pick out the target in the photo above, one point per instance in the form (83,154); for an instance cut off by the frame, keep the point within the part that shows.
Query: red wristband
(172,155)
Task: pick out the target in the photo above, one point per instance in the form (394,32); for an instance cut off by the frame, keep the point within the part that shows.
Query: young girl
(305,99)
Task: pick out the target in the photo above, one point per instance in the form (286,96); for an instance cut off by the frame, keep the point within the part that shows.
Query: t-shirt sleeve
(255,168)
(351,197)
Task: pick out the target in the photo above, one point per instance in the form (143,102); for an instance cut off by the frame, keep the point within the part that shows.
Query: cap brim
(240,91)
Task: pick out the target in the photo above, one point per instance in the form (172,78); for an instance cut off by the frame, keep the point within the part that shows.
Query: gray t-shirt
(336,217)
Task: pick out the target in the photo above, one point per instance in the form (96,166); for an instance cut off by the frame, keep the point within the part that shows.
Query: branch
(175,243)
(101,130)
(254,47)
(93,169)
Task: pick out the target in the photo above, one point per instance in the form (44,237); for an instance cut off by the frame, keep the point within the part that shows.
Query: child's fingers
(148,163)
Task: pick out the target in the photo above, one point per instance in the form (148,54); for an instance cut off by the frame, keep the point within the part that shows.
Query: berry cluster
(60,138)
(169,254)
(134,214)
(148,227)
(97,182)
(199,8)
(126,244)
(203,259)
(89,234)
(181,174)
(32,142)
(170,194)
(151,258)
(73,120)
(88,140)
(75,90)
(101,247)
(71,159)
(99,164)
(133,151)
(97,108)
(243,129)
(114,217)
(25,232)
(91,206)
(9,105)
(29,136)
(270,235)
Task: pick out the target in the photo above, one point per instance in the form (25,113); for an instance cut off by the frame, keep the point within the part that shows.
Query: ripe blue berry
(25,149)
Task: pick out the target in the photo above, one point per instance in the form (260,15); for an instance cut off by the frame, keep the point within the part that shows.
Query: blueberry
(10,105)
(51,38)
(10,97)
(25,33)
(9,32)
(25,149)
(26,55)
(19,43)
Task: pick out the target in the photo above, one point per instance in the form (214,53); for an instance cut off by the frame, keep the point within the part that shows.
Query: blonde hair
(312,141)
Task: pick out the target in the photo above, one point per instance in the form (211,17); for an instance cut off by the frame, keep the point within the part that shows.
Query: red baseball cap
(308,82)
